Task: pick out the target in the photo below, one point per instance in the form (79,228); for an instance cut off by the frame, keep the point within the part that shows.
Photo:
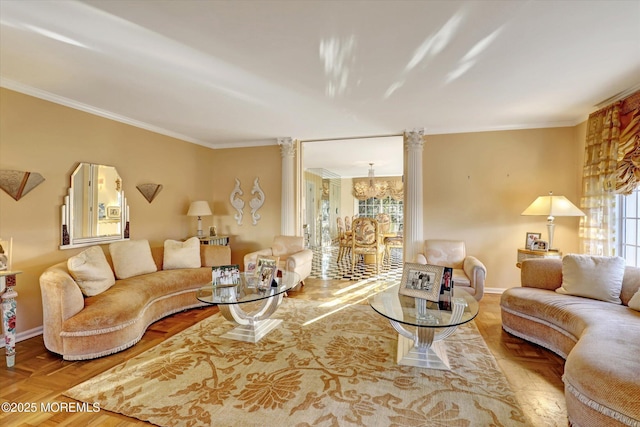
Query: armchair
(292,253)
(468,272)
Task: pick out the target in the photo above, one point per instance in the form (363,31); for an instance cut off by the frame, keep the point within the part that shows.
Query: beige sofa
(599,340)
(79,327)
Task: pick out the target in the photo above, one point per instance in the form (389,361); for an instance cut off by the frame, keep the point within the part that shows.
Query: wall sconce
(149,191)
(18,183)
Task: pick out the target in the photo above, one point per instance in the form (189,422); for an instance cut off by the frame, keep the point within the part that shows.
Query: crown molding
(47,96)
(61,100)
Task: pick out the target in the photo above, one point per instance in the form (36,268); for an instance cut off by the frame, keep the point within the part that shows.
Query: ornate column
(288,221)
(413,204)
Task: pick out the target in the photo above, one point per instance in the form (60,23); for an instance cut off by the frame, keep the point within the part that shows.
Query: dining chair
(366,240)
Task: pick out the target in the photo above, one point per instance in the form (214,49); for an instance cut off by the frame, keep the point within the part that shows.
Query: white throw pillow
(181,254)
(91,271)
(595,277)
(132,258)
(634,302)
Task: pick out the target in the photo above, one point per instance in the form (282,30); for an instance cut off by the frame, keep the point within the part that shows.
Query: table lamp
(199,208)
(552,206)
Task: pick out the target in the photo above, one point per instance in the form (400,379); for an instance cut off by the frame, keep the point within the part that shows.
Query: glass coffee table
(422,326)
(248,305)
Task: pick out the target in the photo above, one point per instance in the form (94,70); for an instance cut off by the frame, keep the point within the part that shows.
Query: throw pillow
(91,271)
(595,277)
(132,258)
(634,302)
(181,254)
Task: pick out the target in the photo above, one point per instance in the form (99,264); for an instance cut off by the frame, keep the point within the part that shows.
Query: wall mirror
(95,209)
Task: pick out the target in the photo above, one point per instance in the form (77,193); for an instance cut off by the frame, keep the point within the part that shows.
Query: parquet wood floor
(41,377)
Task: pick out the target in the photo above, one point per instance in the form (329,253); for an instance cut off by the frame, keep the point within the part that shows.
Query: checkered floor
(326,266)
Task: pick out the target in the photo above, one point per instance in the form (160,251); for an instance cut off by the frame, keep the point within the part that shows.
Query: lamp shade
(199,208)
(552,206)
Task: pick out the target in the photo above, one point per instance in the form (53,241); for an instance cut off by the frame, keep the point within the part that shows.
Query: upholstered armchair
(292,253)
(468,272)
(366,240)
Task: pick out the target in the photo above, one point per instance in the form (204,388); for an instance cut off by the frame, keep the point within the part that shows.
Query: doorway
(330,168)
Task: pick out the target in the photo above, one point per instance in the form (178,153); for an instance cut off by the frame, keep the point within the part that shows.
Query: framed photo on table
(540,245)
(226,275)
(532,237)
(446,290)
(421,281)
(266,271)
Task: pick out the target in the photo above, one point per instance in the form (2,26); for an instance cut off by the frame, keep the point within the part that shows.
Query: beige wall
(247,164)
(478,193)
(44,137)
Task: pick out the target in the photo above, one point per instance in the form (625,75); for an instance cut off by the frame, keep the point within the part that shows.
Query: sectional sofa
(598,334)
(93,306)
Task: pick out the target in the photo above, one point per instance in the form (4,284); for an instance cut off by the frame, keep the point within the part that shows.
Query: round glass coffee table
(422,325)
(248,305)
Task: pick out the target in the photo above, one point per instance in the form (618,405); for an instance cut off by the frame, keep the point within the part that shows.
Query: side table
(527,253)
(9,308)
(215,240)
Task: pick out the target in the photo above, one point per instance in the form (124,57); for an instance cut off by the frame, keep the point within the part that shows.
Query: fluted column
(413,204)
(288,220)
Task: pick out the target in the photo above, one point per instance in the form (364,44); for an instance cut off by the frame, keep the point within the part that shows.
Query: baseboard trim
(494,290)
(21,336)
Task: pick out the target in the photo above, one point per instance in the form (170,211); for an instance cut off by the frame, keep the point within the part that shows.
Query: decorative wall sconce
(149,191)
(18,183)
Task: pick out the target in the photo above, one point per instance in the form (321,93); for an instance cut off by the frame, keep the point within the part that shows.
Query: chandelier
(372,190)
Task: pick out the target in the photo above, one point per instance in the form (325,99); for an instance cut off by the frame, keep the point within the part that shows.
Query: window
(629,227)
(373,206)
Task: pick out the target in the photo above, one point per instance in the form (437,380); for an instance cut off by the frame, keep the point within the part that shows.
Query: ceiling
(243,73)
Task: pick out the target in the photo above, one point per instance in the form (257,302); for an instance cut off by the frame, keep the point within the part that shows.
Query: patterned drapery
(611,166)
(628,169)
(392,187)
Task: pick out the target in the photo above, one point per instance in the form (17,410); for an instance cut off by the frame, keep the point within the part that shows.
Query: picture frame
(446,290)
(531,237)
(5,254)
(266,271)
(213,231)
(225,275)
(421,281)
(540,245)
(113,212)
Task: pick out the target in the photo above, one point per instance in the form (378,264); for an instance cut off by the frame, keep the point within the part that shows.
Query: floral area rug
(319,368)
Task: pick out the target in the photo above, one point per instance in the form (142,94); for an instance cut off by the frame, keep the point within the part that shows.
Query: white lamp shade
(199,208)
(552,206)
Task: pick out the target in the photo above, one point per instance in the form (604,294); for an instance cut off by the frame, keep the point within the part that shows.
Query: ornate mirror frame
(95,209)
